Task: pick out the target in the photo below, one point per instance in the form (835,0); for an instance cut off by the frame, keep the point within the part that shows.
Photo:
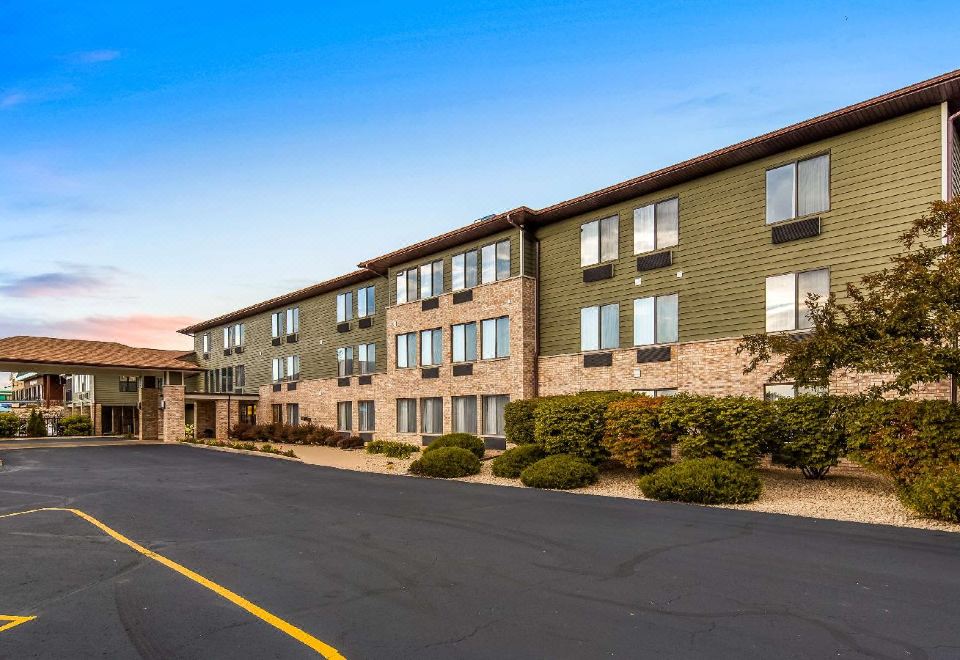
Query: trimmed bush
(561,472)
(10,425)
(35,425)
(935,495)
(904,439)
(703,481)
(633,434)
(390,448)
(466,441)
(732,428)
(446,463)
(518,421)
(512,462)
(575,424)
(76,425)
(350,442)
(810,434)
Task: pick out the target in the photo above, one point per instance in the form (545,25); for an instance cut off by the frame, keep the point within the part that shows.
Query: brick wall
(173,413)
(149,414)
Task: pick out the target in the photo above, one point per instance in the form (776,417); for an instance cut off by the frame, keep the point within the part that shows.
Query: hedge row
(12,425)
(302,434)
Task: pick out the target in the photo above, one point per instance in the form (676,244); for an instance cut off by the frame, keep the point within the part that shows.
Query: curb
(230,450)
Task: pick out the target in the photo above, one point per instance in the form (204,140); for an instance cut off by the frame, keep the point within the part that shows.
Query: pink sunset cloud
(141,330)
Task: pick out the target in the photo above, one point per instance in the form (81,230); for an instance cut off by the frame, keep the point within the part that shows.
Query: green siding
(106,391)
(882,177)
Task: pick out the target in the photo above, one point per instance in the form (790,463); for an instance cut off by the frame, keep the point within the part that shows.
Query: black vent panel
(343,382)
(291,387)
(365,322)
(655,260)
(343,327)
(598,273)
(365,380)
(653,354)
(429,303)
(463,370)
(431,372)
(794,231)
(462,296)
(598,360)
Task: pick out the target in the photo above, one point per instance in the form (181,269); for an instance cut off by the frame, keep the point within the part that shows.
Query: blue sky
(161,163)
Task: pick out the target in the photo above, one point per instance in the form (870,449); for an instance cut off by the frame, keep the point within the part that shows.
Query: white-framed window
(493,418)
(367,356)
(407,350)
(226,338)
(293,414)
(799,188)
(655,320)
(431,347)
(366,411)
(239,332)
(656,226)
(464,337)
(344,361)
(241,380)
(464,414)
(276,324)
(366,301)
(598,240)
(431,416)
(774,391)
(600,327)
(128,384)
(495,261)
(293,320)
(668,391)
(406,415)
(277,370)
(463,270)
(344,306)
(344,415)
(206,343)
(431,279)
(407,285)
(293,367)
(786,298)
(495,338)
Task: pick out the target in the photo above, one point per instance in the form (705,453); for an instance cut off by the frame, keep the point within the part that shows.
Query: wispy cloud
(13,99)
(96,56)
(142,330)
(72,280)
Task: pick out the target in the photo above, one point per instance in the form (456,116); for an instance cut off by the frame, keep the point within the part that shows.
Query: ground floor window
(248,413)
(669,391)
(406,415)
(431,416)
(293,414)
(276,411)
(345,416)
(493,407)
(464,410)
(775,391)
(367,413)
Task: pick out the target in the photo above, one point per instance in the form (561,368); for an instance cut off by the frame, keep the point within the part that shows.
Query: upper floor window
(656,226)
(344,306)
(495,261)
(128,383)
(407,350)
(598,240)
(345,361)
(431,279)
(367,356)
(495,338)
(206,343)
(293,320)
(406,285)
(655,320)
(276,324)
(277,370)
(431,347)
(798,189)
(239,331)
(600,327)
(293,367)
(464,342)
(463,273)
(786,298)
(366,301)
(226,337)
(241,376)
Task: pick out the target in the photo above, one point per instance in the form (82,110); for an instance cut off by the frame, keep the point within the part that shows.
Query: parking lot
(376,566)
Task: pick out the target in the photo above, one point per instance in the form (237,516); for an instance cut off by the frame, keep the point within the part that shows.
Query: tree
(902,322)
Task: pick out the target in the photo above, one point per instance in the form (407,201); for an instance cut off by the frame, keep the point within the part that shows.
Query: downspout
(536,298)
(951,175)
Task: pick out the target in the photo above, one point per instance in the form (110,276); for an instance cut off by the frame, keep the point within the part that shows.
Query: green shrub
(560,471)
(10,425)
(36,428)
(810,434)
(518,421)
(935,495)
(575,424)
(319,435)
(512,462)
(633,434)
(904,439)
(732,428)
(466,441)
(390,448)
(350,442)
(446,463)
(703,481)
(76,425)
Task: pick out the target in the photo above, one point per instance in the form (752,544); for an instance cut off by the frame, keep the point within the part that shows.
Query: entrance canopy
(47,355)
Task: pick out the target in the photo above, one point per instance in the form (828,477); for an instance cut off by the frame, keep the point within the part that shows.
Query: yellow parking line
(301,636)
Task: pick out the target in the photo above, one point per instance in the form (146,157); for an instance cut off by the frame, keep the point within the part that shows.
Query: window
(598,240)
(786,298)
(495,338)
(407,285)
(464,342)
(277,370)
(464,270)
(367,414)
(495,261)
(366,301)
(656,226)
(493,407)
(293,414)
(600,327)
(293,320)
(239,332)
(798,189)
(128,383)
(406,415)
(248,413)
(776,391)
(655,320)
(431,415)
(206,344)
(276,410)
(672,391)
(293,367)
(344,416)
(431,347)
(367,356)
(226,338)
(406,350)
(344,306)
(241,376)
(464,414)
(431,279)
(345,361)
(276,324)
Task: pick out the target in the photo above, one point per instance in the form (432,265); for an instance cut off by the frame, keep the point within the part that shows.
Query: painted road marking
(13,621)
(301,636)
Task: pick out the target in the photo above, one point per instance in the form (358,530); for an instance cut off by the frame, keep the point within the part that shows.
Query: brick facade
(149,414)
(173,413)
